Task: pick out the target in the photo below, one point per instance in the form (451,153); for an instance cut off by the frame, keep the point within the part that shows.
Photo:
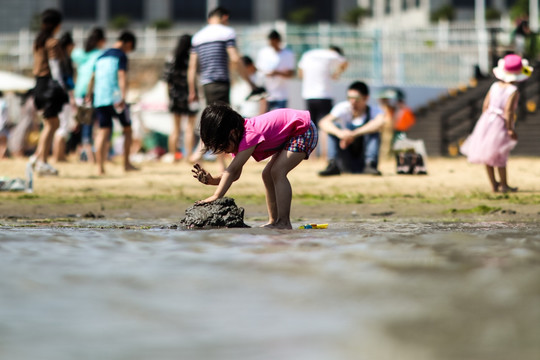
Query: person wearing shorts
(108,87)
(49,93)
(288,136)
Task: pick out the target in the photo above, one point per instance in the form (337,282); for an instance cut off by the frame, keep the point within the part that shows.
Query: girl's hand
(512,134)
(202,175)
(207,200)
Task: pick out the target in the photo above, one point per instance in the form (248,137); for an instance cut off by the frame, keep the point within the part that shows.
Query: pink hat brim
(503,75)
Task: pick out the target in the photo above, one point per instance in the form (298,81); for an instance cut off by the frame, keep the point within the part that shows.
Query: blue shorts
(105,114)
(305,142)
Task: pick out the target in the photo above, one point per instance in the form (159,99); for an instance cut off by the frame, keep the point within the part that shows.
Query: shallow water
(358,290)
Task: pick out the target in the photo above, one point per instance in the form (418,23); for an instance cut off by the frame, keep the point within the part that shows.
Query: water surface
(358,290)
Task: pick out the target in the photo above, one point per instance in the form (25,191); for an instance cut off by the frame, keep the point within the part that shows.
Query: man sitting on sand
(348,151)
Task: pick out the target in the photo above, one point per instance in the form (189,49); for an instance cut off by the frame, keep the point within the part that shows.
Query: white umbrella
(14,82)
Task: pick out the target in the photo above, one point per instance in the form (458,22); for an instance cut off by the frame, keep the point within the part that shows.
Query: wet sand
(453,190)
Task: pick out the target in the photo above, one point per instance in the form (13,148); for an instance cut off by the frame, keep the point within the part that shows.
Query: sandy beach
(452,190)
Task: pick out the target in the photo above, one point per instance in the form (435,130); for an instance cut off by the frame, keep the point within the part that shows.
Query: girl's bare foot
(278,225)
(496,187)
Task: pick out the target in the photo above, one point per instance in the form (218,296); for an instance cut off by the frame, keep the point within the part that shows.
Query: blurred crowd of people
(81,89)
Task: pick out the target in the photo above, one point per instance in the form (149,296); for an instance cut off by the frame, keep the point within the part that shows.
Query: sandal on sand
(506,189)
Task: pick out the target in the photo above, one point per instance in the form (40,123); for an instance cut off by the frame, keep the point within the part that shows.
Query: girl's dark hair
(67,67)
(181,53)
(50,19)
(66,40)
(93,39)
(217,124)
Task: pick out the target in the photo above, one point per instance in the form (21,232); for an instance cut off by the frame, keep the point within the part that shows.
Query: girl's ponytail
(50,19)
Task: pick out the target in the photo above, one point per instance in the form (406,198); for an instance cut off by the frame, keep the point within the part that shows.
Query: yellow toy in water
(314,226)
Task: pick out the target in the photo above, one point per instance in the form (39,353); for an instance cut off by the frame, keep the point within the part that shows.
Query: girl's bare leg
(284,162)
(189,136)
(89,153)
(504,181)
(59,148)
(491,176)
(175,134)
(3,146)
(128,137)
(46,138)
(270,191)
(102,139)
(197,154)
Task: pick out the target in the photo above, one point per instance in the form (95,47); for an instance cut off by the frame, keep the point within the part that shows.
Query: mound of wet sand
(219,213)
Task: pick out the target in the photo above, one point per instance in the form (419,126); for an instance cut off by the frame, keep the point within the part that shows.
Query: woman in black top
(176,78)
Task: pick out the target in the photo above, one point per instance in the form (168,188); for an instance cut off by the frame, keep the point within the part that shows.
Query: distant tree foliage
(492,14)
(162,24)
(355,15)
(120,22)
(302,16)
(445,12)
(520,8)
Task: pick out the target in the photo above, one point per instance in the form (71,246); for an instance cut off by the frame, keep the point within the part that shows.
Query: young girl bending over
(494,136)
(289,136)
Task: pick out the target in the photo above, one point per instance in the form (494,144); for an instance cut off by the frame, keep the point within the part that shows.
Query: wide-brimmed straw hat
(513,68)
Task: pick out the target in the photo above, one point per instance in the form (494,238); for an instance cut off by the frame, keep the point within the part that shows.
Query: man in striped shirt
(212,48)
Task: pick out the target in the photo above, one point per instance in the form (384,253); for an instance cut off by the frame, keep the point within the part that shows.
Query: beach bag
(410,156)
(84,115)
(410,163)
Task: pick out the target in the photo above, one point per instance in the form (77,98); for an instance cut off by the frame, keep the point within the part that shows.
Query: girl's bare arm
(230,175)
(510,110)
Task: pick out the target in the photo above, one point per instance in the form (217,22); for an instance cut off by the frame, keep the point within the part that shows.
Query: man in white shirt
(349,151)
(278,65)
(317,69)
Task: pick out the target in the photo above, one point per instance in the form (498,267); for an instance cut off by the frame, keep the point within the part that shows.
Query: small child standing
(494,136)
(288,135)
